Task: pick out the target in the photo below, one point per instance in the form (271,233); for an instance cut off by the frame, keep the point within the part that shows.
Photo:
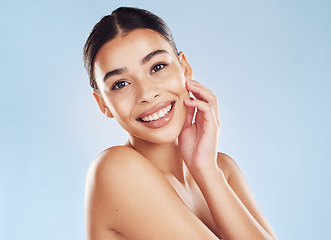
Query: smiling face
(142,84)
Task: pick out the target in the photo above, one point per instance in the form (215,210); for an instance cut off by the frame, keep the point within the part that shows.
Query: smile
(157,115)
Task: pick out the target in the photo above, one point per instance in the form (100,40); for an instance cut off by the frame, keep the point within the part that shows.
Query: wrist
(202,162)
(207,172)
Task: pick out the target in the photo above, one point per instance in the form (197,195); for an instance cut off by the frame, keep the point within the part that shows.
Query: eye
(158,67)
(119,84)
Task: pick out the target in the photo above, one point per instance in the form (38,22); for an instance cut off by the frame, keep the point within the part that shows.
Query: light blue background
(267,61)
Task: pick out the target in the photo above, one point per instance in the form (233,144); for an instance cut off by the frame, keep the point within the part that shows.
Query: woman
(167,181)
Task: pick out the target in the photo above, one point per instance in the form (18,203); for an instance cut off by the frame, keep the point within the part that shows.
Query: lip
(161,121)
(154,109)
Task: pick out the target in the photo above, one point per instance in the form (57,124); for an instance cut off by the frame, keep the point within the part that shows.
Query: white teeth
(157,115)
(161,113)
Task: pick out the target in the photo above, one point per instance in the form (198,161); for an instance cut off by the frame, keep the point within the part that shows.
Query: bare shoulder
(115,166)
(239,185)
(234,175)
(128,196)
(113,157)
(228,165)
(117,163)
(110,182)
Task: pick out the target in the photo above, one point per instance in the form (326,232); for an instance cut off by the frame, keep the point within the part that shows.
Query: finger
(189,116)
(199,85)
(200,93)
(202,106)
(203,93)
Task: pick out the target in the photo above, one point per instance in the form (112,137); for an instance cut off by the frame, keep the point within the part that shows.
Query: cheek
(121,108)
(175,82)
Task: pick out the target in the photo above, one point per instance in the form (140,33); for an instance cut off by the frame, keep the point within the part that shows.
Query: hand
(198,138)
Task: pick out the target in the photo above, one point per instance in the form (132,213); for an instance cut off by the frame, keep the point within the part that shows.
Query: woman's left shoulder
(227,165)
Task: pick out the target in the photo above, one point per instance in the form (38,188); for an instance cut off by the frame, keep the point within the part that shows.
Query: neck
(166,157)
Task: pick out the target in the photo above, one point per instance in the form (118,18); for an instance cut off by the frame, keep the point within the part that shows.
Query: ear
(188,72)
(102,105)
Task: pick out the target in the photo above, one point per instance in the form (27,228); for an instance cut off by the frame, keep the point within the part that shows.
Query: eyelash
(158,64)
(116,85)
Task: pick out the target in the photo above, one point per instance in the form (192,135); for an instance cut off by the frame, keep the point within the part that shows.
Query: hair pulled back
(121,21)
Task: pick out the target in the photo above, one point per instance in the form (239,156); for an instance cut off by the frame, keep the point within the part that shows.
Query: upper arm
(239,185)
(128,194)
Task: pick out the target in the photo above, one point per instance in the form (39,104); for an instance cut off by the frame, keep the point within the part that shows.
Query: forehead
(131,47)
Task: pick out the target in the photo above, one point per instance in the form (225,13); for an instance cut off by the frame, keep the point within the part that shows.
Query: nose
(148,91)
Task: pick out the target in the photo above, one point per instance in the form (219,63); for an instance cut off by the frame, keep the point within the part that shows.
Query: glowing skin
(142,84)
(141,89)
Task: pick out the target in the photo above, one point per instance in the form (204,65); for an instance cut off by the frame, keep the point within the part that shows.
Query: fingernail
(188,82)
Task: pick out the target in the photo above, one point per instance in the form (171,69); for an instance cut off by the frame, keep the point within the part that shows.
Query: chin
(167,136)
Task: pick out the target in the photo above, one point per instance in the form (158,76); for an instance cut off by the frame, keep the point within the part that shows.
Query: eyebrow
(118,71)
(152,54)
(147,58)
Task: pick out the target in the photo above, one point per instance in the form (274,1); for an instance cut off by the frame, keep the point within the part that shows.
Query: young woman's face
(142,84)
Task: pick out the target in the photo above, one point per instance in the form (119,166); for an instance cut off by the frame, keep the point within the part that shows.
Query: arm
(126,193)
(231,203)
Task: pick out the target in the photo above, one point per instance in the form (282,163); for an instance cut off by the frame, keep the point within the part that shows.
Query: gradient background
(267,61)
